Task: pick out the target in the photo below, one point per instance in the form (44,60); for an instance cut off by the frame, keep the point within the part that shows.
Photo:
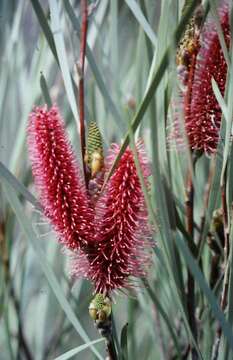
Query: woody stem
(105,329)
(80,70)
(191,283)
(223,302)
(190,205)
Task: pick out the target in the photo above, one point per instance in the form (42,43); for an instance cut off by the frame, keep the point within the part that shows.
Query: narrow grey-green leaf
(200,280)
(62,56)
(71,353)
(95,70)
(136,10)
(45,26)
(45,91)
(18,186)
(124,342)
(45,266)
(153,85)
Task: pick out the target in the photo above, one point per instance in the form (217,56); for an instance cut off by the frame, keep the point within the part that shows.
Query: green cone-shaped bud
(94,140)
(94,155)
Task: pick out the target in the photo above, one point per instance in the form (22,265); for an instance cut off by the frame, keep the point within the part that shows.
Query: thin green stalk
(80,70)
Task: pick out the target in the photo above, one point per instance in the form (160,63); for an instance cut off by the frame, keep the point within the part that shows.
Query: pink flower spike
(123,233)
(57,178)
(204,119)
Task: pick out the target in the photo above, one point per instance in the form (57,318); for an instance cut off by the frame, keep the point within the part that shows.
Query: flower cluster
(201,111)
(122,224)
(109,237)
(57,177)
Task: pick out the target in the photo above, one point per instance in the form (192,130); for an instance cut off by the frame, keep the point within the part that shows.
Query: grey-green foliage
(129,78)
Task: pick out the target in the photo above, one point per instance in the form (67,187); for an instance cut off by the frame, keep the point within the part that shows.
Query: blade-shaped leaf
(69,354)
(45,266)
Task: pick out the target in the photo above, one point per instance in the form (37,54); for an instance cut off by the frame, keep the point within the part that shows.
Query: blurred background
(32,323)
(43,313)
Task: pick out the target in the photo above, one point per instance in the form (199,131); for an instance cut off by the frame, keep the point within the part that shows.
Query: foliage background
(127,76)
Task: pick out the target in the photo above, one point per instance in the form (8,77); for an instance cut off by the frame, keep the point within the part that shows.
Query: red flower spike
(62,191)
(204,119)
(123,234)
(198,104)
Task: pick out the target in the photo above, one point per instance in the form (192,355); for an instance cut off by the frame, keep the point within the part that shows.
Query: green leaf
(229,309)
(200,280)
(124,342)
(153,86)
(45,266)
(18,186)
(167,321)
(219,97)
(45,90)
(62,56)
(69,354)
(214,12)
(95,70)
(45,26)
(228,168)
(136,10)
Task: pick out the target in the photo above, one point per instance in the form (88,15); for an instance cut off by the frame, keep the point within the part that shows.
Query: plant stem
(190,203)
(225,221)
(190,282)
(105,329)
(111,349)
(4,253)
(80,70)
(201,240)
(223,302)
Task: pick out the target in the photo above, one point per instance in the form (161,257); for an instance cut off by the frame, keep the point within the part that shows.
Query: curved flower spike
(62,191)
(203,123)
(198,104)
(123,233)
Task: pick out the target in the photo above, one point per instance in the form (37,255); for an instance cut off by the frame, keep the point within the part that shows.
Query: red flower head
(122,230)
(62,191)
(202,113)
(204,119)
(115,245)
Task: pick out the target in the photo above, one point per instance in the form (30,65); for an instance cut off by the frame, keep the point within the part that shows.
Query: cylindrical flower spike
(122,237)
(198,104)
(203,123)
(110,246)
(62,191)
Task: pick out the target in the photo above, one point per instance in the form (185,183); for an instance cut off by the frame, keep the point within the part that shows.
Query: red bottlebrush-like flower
(109,239)
(202,113)
(204,118)
(122,229)
(62,191)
